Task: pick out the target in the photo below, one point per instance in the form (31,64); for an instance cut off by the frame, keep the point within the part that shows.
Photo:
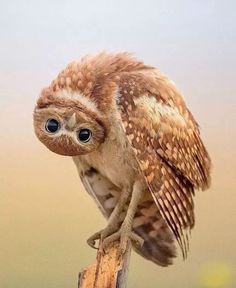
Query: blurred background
(45,214)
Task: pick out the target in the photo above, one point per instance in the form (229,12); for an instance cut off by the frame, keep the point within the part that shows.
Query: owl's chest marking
(114,159)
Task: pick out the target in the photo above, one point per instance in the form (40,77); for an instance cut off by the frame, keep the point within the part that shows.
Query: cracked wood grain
(109,271)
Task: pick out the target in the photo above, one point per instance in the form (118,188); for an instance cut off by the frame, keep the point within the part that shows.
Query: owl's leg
(113,221)
(125,233)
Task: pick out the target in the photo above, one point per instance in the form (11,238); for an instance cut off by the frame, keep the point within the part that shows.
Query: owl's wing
(104,193)
(170,153)
(159,246)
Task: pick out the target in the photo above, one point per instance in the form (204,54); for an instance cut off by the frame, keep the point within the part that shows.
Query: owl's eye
(52,125)
(84,135)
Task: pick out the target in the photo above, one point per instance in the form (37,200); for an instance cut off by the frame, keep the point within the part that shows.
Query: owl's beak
(72,121)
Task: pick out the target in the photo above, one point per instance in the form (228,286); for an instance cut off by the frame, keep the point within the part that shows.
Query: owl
(136,146)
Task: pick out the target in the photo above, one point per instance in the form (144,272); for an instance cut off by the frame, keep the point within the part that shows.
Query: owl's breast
(115,159)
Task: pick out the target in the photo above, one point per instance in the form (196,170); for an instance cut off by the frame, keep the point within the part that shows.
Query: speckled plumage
(142,131)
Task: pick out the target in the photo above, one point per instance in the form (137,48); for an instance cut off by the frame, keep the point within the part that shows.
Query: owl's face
(66,128)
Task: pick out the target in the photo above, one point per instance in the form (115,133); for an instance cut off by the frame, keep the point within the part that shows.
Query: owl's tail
(159,242)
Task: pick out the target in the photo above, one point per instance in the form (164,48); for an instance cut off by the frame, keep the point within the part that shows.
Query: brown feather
(166,141)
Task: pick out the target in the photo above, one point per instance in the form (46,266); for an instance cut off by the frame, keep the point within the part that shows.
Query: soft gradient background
(45,214)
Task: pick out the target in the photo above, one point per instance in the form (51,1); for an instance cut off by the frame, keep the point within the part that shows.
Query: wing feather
(166,140)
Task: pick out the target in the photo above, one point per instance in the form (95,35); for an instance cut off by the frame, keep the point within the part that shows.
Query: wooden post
(109,271)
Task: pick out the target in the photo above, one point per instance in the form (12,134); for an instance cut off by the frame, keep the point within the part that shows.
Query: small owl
(136,146)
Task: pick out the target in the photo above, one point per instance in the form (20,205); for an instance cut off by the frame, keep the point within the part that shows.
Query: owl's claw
(107,236)
(125,237)
(91,241)
(101,235)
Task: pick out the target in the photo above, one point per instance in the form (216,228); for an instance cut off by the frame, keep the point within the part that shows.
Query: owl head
(65,124)
(72,115)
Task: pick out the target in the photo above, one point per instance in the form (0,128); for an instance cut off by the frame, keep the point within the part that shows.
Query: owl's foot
(101,235)
(113,222)
(125,235)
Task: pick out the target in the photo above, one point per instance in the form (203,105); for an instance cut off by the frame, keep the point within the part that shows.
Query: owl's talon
(124,236)
(101,235)
(91,241)
(92,244)
(137,240)
(108,240)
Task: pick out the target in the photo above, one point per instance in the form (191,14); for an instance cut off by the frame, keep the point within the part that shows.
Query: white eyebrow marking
(85,101)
